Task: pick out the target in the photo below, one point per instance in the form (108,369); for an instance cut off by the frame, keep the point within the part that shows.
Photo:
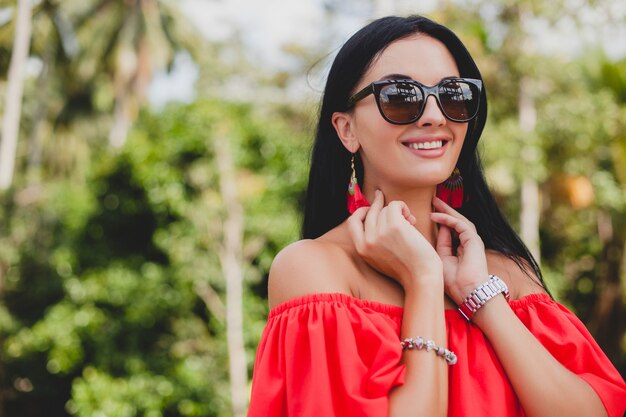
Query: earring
(356,199)
(451,190)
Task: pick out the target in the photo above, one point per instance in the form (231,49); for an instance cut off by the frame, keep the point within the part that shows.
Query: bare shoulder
(521,282)
(307,267)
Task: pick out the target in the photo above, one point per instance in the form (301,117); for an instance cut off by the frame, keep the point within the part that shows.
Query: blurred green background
(153,160)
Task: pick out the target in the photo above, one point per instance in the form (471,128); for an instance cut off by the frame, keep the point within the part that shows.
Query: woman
(370,314)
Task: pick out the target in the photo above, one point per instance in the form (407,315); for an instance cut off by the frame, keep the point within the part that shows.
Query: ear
(344,126)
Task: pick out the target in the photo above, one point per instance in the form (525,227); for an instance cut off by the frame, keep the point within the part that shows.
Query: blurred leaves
(133,256)
(112,295)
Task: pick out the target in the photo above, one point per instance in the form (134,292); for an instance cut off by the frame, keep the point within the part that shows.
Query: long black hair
(325,205)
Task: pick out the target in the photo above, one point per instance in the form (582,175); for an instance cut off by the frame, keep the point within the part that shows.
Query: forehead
(420,57)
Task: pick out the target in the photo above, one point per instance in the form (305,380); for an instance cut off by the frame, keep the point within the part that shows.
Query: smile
(425,145)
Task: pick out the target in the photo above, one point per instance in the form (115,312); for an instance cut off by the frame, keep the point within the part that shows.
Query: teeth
(426,145)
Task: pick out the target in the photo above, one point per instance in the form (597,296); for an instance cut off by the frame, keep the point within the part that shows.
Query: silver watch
(483,293)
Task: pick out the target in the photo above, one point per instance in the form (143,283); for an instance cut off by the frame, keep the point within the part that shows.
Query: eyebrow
(408,77)
(396,77)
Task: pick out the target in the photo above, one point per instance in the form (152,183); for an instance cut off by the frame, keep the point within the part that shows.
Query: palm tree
(15,90)
(128,41)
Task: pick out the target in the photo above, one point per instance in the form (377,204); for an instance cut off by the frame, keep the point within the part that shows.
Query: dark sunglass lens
(459,99)
(401,102)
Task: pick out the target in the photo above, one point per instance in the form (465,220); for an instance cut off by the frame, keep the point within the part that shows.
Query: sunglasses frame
(376,87)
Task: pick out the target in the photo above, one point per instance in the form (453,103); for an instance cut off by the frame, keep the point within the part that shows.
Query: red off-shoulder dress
(327,355)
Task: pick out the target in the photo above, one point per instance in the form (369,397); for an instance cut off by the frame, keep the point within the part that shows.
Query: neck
(419,201)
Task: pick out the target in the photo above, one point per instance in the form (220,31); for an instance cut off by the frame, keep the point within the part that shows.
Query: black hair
(325,205)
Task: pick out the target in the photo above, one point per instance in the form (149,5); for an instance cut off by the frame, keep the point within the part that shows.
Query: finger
(388,215)
(356,227)
(406,212)
(359,215)
(454,223)
(397,211)
(465,229)
(444,241)
(442,207)
(374,212)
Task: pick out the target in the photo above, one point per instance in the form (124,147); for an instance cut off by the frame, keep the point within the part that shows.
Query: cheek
(372,130)
(459,130)
(380,138)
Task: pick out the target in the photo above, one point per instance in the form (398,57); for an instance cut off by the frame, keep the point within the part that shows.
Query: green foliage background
(111,301)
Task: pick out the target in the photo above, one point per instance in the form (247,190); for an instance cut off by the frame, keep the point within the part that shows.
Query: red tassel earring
(451,190)
(356,199)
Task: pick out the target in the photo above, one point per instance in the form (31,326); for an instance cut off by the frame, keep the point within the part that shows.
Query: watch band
(483,293)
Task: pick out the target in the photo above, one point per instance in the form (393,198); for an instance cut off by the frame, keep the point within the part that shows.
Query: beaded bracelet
(420,343)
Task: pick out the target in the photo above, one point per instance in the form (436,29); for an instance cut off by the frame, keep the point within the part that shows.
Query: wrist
(482,294)
(488,318)
(459,293)
(424,282)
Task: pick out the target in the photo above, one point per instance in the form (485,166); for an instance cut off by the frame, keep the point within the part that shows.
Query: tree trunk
(607,322)
(231,258)
(211,300)
(11,126)
(15,91)
(121,122)
(35,146)
(531,207)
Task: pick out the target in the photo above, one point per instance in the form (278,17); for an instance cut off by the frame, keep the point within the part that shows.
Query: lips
(431,147)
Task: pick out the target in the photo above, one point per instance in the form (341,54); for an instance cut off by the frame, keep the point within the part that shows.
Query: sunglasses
(402,101)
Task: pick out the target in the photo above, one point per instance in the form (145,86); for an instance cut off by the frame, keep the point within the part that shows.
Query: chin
(435,177)
(423,180)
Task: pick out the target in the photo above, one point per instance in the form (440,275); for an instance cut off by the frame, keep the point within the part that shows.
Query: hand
(385,237)
(466,269)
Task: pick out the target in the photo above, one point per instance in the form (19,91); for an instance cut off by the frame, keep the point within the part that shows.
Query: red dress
(326,355)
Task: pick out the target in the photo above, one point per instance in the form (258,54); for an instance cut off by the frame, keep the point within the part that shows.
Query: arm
(386,239)
(392,245)
(538,379)
(311,267)
(425,391)
(543,386)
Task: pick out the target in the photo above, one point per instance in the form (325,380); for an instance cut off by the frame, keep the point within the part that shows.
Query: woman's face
(388,151)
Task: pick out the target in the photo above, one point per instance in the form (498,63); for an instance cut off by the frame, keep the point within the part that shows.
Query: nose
(432,115)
